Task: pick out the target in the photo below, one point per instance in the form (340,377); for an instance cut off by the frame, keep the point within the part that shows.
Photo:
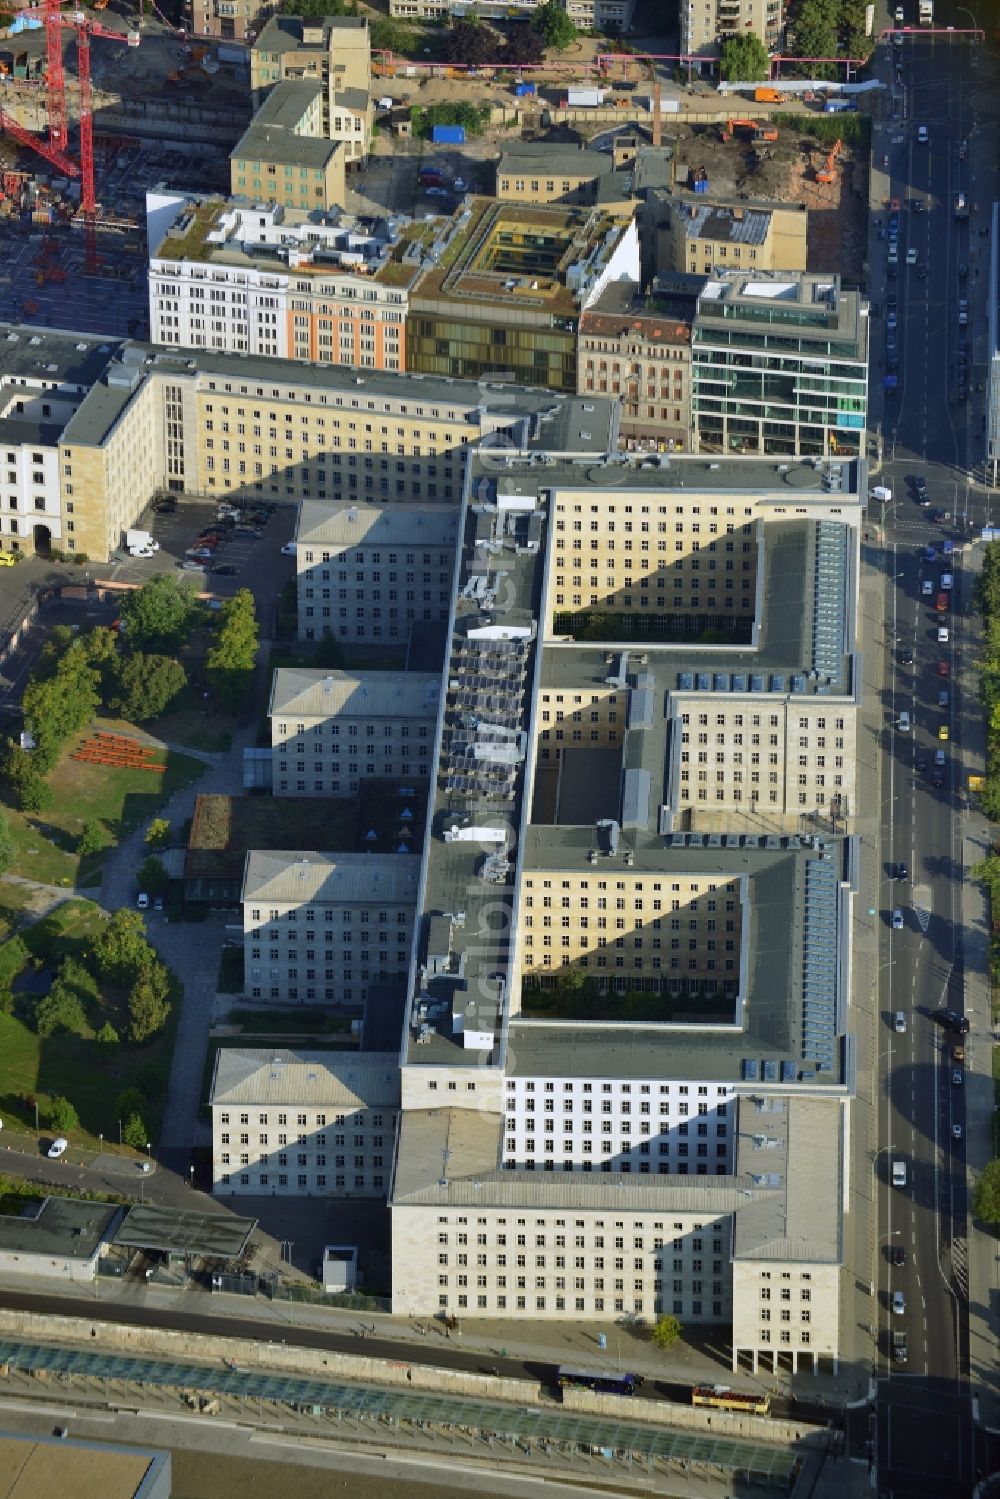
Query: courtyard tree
(744,58)
(149,1003)
(145,685)
(159,616)
(554,26)
(230,660)
(120,950)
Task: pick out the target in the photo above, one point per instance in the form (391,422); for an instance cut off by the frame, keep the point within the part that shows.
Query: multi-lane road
(937,148)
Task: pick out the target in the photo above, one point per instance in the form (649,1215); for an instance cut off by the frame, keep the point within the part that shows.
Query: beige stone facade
(630,928)
(336,51)
(303,1124)
(629,351)
(331,730)
(369,573)
(706,24)
(320,928)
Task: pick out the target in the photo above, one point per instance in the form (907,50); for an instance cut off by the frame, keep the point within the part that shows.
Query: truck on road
(925,12)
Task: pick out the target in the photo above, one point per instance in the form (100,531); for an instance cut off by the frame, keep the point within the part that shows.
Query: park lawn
(72,1064)
(121,799)
(13,899)
(36,856)
(191,721)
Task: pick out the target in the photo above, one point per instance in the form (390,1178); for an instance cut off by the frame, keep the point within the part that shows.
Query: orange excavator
(827,173)
(756,130)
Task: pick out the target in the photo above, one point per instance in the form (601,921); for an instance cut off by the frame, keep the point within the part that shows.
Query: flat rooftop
(50,1468)
(790,915)
(315,693)
(497,412)
(321,525)
(797,1142)
(530,258)
(306,1079)
(171,1230)
(296,877)
(65,1227)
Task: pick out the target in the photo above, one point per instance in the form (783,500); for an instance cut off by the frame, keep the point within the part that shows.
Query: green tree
(817,24)
(63,1116)
(7,846)
(145,685)
(77,977)
(554,26)
(149,1003)
(120,950)
(744,57)
(152,876)
(986,1195)
(60,1009)
(666,1331)
(158,833)
(524,47)
(57,706)
(94,837)
(159,616)
(25,780)
(230,660)
(135,1133)
(130,1101)
(107,1036)
(987,871)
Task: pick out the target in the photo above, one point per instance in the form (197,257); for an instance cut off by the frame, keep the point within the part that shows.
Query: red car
(941,604)
(944,669)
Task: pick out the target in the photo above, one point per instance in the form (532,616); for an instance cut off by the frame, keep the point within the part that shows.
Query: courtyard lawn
(121,799)
(72,1064)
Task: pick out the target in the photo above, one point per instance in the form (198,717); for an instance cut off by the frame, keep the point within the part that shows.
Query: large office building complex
(631,1096)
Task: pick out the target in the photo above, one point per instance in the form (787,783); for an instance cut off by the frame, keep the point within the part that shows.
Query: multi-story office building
(284,157)
(303,1124)
(320,928)
(233,276)
(218,424)
(336,51)
(369,573)
(45,376)
(331,729)
(638,349)
(701,237)
(779,364)
(635,1091)
(502,288)
(706,24)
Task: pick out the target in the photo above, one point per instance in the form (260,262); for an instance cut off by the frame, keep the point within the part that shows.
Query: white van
(899,1023)
(899,1173)
(904,723)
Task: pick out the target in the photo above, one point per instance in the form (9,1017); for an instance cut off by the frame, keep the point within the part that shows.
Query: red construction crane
(54,150)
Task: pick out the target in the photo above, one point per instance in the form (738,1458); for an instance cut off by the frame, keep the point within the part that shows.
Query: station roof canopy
(219,1236)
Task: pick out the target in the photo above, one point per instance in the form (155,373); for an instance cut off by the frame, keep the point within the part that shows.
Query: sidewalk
(978,835)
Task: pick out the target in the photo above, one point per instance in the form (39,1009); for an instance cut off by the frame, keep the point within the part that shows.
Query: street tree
(134,1133)
(159,616)
(554,26)
(666,1331)
(744,57)
(986,1195)
(63,1116)
(94,837)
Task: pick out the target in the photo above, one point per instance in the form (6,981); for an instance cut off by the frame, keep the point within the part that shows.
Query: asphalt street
(945,88)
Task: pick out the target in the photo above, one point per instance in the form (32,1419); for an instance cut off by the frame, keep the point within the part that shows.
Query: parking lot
(257,562)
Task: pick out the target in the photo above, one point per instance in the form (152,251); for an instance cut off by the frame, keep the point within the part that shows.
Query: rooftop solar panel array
(819,965)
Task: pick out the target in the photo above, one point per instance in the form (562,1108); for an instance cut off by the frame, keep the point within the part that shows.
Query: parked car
(897,920)
(223,570)
(57,1148)
(142,901)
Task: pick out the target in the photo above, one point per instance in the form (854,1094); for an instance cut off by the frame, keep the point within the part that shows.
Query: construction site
(93,114)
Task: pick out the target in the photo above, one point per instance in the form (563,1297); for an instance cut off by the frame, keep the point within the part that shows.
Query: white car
(946,582)
(922,135)
(927,588)
(142,903)
(911,257)
(57,1148)
(943,636)
(897,920)
(898,1304)
(288,550)
(142,552)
